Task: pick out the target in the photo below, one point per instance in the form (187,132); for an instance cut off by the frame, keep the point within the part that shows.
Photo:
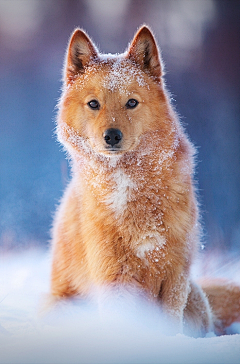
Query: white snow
(80,332)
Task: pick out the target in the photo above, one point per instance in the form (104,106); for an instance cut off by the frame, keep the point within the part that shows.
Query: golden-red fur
(224,299)
(129,216)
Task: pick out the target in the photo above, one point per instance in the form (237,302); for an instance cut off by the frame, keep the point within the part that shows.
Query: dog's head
(110,101)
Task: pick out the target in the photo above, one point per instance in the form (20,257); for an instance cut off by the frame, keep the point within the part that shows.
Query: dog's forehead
(114,74)
(121,75)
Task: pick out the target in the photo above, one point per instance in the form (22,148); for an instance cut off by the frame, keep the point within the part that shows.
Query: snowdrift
(86,332)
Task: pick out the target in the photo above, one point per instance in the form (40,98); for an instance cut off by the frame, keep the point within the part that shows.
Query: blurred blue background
(200,43)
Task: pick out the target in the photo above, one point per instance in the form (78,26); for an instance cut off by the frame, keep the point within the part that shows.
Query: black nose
(112,136)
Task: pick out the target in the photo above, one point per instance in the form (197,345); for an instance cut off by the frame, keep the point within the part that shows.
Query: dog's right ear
(81,51)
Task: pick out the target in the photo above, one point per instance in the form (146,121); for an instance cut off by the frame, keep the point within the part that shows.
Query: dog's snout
(112,136)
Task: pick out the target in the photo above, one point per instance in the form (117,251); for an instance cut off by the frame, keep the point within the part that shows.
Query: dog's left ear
(144,51)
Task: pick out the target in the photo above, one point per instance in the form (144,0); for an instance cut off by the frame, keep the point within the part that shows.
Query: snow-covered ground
(81,332)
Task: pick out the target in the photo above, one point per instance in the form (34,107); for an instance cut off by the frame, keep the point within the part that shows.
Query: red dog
(129,216)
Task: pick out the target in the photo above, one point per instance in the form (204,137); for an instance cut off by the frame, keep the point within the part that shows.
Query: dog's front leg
(173,295)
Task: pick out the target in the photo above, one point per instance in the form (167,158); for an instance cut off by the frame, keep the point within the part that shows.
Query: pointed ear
(81,51)
(144,51)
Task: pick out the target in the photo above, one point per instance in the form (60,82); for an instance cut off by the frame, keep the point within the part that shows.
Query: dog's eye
(131,104)
(94,104)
